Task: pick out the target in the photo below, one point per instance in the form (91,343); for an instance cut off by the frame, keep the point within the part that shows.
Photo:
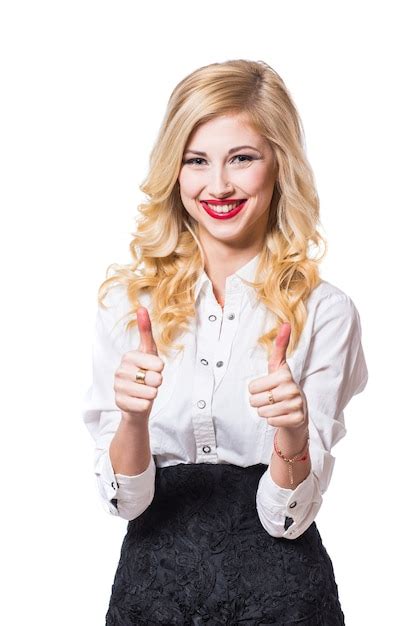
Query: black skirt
(199,555)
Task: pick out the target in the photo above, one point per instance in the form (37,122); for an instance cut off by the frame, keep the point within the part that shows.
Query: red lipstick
(222,216)
(220,202)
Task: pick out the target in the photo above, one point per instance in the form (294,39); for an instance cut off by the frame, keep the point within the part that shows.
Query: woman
(217,449)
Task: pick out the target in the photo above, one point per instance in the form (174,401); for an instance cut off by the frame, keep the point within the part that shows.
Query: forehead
(224,129)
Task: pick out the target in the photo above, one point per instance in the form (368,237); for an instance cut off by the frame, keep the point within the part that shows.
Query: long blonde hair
(167,254)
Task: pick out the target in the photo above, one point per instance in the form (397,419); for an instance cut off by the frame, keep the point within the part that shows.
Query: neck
(218,270)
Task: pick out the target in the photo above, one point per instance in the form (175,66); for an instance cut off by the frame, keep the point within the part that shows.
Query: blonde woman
(222,365)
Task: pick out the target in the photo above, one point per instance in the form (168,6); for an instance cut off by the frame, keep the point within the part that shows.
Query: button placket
(203,383)
(228,332)
(205,439)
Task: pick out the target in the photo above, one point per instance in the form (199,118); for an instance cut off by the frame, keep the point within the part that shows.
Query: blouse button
(293,504)
(204,361)
(231,316)
(201,404)
(219,363)
(206,449)
(212,318)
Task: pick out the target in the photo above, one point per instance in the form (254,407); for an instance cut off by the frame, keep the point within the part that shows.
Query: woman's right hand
(134,399)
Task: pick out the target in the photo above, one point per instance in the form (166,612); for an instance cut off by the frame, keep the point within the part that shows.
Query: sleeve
(334,370)
(124,496)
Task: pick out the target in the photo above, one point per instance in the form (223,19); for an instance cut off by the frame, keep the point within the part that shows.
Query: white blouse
(202,413)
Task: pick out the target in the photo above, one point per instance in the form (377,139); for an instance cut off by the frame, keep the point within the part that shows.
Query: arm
(290,443)
(334,370)
(134,467)
(130,451)
(127,487)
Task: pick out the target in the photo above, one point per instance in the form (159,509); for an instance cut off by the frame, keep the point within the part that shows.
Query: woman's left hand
(289,409)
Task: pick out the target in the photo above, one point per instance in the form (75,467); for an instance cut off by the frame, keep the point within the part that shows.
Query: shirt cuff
(117,489)
(283,499)
(130,486)
(278,505)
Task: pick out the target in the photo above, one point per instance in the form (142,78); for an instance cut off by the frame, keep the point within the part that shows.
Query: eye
(197,160)
(192,161)
(243,156)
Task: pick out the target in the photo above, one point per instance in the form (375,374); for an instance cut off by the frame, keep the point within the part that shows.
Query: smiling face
(227,160)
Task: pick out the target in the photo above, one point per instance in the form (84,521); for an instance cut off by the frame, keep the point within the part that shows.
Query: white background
(84,88)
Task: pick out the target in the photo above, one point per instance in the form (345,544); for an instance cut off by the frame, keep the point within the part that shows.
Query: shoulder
(326,291)
(328,302)
(327,294)
(117,311)
(116,300)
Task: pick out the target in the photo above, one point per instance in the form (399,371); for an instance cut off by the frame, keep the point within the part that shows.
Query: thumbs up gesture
(288,408)
(135,399)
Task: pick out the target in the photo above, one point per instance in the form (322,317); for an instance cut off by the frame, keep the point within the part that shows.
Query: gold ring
(140,376)
(270,397)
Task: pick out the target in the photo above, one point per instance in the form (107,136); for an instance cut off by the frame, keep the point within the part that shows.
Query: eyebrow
(230,151)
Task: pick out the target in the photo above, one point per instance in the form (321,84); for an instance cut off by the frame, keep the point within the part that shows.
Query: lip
(224,216)
(221,202)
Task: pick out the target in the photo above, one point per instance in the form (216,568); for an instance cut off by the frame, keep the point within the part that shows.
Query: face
(228,166)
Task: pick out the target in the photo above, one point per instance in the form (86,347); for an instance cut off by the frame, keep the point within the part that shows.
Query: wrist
(133,421)
(291,441)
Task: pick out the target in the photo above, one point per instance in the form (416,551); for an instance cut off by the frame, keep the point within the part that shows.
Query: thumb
(279,351)
(147,342)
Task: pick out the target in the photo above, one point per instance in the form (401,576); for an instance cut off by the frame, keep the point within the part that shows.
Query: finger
(133,390)
(287,391)
(143,360)
(128,371)
(269,381)
(290,408)
(147,342)
(279,350)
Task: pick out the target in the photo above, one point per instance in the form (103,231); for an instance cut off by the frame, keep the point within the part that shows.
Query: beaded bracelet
(303,456)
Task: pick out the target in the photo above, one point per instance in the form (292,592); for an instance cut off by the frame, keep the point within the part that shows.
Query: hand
(290,405)
(134,399)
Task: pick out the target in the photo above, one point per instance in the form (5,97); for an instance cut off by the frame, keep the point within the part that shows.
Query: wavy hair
(167,256)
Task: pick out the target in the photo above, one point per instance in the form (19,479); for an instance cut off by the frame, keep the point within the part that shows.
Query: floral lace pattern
(198,555)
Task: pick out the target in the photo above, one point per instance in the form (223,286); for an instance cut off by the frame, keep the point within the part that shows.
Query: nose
(219,184)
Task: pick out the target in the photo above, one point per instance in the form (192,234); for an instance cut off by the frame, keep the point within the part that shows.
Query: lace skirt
(199,555)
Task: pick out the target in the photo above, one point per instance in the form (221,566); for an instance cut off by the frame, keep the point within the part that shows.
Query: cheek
(258,183)
(189,186)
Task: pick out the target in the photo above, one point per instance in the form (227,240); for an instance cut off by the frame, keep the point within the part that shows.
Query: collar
(247,272)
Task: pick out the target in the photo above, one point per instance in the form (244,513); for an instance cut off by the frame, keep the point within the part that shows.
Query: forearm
(290,441)
(130,451)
